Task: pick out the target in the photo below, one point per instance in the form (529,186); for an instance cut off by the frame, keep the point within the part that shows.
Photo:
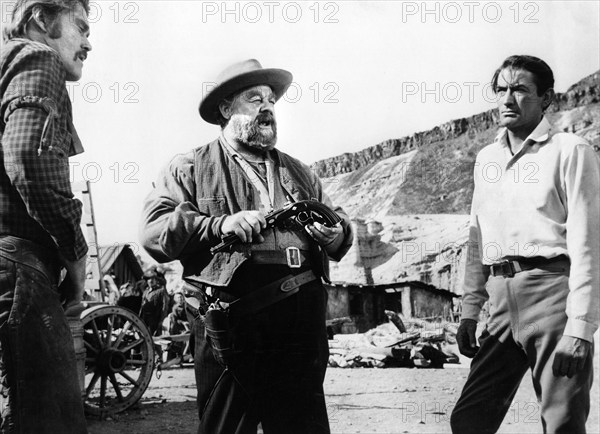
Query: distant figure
(131,295)
(178,298)
(176,323)
(111,289)
(534,254)
(155,301)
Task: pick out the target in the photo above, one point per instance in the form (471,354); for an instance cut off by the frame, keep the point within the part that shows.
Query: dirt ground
(394,400)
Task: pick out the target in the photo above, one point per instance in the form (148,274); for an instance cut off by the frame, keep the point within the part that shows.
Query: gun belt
(270,294)
(277,257)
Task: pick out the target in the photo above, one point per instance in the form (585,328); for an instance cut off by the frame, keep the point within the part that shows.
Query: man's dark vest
(222,188)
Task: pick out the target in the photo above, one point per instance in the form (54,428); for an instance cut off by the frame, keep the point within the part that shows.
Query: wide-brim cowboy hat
(238,77)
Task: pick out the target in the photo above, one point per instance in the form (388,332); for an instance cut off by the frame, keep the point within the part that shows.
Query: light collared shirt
(270,195)
(542,201)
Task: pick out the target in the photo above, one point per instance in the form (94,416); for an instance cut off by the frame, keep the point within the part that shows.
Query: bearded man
(270,366)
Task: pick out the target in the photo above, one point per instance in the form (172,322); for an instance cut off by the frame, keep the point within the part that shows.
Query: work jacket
(182,216)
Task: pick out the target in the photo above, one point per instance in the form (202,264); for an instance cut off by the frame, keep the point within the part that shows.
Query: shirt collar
(540,134)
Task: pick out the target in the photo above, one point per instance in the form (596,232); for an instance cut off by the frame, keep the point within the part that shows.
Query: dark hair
(23,11)
(542,74)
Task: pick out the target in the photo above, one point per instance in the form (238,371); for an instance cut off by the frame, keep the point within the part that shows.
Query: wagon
(119,358)
(113,346)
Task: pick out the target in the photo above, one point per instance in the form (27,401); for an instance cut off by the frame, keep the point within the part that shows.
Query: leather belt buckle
(289,285)
(504,268)
(292,254)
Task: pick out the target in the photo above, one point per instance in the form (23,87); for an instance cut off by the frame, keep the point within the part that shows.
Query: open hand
(330,238)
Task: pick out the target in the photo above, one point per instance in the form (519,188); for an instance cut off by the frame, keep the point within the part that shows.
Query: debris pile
(420,344)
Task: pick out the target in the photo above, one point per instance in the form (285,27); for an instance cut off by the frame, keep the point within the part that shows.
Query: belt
(511,267)
(293,257)
(36,256)
(270,294)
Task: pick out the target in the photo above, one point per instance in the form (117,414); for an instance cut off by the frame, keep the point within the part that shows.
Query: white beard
(247,133)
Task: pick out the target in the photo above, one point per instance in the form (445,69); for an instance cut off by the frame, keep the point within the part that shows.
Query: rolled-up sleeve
(36,150)
(582,184)
(172,225)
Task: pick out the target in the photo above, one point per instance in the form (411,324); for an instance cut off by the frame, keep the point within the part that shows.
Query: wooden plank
(87,219)
(87,204)
(80,187)
(93,251)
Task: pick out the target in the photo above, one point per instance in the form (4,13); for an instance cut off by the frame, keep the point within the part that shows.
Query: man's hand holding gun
(321,223)
(246,225)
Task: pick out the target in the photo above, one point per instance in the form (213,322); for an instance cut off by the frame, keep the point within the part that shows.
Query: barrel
(76,327)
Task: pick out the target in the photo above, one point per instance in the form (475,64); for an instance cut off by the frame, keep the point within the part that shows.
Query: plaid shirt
(36,139)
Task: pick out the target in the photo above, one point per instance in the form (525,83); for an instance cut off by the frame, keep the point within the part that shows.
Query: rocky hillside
(428,173)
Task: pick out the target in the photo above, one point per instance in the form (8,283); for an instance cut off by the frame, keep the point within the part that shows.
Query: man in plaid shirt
(44,45)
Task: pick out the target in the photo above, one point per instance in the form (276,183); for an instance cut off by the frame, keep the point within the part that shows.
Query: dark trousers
(527,319)
(277,374)
(39,386)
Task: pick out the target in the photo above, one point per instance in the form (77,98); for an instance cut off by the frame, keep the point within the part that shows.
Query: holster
(196,302)
(219,334)
(215,318)
(218,316)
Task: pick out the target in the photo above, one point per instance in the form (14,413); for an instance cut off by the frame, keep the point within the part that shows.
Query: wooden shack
(414,299)
(362,304)
(365,305)
(406,264)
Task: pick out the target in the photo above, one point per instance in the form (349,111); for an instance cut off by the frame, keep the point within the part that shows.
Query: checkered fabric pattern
(36,140)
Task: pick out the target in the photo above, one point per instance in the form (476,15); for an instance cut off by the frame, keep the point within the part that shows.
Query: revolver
(294,215)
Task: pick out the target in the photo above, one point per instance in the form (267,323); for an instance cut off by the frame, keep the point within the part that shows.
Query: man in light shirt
(534,255)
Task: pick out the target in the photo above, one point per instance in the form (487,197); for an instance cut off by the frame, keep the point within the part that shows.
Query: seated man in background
(176,323)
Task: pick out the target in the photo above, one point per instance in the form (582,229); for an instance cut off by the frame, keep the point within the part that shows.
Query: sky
(363,72)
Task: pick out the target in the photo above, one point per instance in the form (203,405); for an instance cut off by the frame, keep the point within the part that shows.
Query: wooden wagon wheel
(119,359)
